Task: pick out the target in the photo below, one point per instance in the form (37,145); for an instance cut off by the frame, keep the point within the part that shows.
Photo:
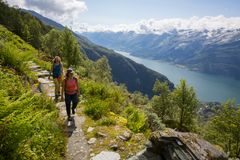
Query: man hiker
(71,89)
(57,73)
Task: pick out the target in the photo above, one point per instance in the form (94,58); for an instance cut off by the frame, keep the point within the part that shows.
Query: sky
(79,14)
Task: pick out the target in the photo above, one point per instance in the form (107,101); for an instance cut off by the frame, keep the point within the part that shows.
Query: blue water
(208,87)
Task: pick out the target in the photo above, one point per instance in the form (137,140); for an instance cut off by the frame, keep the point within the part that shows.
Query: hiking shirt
(57,70)
(71,86)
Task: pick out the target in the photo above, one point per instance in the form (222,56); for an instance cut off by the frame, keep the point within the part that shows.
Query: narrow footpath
(77,146)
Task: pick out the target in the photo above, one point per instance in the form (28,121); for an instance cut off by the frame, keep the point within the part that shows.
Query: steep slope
(136,77)
(211,51)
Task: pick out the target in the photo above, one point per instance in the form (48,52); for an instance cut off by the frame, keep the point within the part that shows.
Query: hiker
(57,73)
(71,89)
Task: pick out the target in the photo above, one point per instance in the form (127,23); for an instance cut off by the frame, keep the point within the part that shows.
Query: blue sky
(131,11)
(74,13)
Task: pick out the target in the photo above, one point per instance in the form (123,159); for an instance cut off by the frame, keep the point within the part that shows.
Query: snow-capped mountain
(212,50)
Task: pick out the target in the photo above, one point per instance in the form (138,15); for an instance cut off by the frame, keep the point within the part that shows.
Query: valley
(209,88)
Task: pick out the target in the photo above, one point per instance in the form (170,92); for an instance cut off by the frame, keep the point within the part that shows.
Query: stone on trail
(106,155)
(90,129)
(92,140)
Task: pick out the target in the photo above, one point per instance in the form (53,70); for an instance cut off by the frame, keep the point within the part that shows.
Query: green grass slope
(30,127)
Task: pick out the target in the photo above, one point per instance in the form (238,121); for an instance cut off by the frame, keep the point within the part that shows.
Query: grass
(15,53)
(30,126)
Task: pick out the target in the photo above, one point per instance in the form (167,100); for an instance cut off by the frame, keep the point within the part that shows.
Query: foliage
(105,121)
(71,48)
(224,129)
(111,94)
(103,70)
(136,119)
(139,99)
(162,103)
(96,109)
(29,124)
(14,53)
(186,102)
(52,43)
(23,24)
(154,122)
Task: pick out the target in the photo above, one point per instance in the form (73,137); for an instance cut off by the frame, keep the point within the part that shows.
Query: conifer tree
(185,100)
(161,102)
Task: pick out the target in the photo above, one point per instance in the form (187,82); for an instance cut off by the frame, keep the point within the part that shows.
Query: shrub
(154,122)
(107,93)
(136,119)
(29,124)
(96,109)
(105,121)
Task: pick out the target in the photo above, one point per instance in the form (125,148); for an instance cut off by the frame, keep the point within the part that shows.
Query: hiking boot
(73,110)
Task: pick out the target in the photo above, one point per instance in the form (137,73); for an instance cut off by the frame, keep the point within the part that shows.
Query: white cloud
(165,25)
(63,11)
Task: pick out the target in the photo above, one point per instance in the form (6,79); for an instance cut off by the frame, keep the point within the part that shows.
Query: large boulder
(173,145)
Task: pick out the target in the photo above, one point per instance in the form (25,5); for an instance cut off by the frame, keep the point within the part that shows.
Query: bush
(105,121)
(109,94)
(10,56)
(154,122)
(29,124)
(136,119)
(96,109)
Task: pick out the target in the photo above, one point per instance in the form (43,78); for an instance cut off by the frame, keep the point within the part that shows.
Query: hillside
(135,76)
(112,120)
(208,51)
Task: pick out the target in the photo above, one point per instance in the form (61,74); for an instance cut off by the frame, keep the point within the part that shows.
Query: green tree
(52,43)
(161,102)
(224,129)
(71,48)
(103,70)
(184,98)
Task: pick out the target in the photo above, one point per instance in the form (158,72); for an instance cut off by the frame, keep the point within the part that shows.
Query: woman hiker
(71,89)
(57,73)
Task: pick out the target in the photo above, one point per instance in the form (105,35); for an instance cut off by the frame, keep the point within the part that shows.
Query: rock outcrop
(173,145)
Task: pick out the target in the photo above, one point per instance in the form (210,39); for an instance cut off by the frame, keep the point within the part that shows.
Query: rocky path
(77,146)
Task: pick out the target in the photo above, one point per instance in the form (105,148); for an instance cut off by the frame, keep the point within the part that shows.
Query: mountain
(135,76)
(214,51)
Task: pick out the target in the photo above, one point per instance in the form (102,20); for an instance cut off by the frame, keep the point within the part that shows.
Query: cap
(69,70)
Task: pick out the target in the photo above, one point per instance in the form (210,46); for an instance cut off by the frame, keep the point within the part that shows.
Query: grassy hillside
(30,127)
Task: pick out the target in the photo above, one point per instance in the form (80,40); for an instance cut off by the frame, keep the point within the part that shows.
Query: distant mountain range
(135,76)
(215,51)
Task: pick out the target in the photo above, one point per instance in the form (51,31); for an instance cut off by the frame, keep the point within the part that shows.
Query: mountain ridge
(136,76)
(214,52)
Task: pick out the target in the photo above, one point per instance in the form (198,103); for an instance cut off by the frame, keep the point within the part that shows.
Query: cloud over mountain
(165,25)
(64,11)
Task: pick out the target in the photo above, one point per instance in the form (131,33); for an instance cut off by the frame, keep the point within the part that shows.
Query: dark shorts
(71,98)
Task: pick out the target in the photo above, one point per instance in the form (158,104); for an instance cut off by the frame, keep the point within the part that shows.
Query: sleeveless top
(71,86)
(57,70)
